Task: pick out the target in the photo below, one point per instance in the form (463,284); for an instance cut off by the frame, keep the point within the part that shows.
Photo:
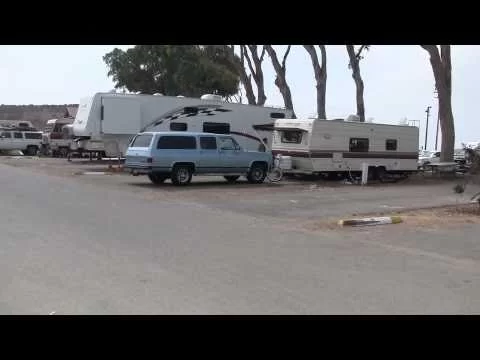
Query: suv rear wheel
(257,173)
(181,175)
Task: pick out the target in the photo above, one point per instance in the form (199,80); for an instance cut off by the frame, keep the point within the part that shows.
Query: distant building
(37,115)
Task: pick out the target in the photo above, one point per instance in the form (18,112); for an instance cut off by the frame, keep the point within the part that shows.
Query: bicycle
(275,174)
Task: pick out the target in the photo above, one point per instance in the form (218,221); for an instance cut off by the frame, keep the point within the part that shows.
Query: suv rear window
(177,142)
(33,135)
(143,140)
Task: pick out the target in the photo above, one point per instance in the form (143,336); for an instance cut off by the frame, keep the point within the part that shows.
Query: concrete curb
(371,221)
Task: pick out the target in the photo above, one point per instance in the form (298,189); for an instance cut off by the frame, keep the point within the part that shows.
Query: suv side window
(208,143)
(177,142)
(33,135)
(17,135)
(7,134)
(227,143)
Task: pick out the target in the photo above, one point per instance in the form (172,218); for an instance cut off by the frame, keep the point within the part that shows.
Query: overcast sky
(398,82)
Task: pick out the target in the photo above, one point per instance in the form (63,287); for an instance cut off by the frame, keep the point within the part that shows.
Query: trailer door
(120,116)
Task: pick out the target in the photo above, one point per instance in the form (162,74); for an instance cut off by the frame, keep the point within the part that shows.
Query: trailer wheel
(63,152)
(381,173)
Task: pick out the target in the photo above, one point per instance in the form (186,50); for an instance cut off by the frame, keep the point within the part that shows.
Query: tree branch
(285,56)
(432,50)
(446,57)
(250,66)
(360,51)
(323,51)
(351,55)
(263,53)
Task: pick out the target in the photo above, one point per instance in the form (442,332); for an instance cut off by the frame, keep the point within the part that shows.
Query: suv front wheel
(257,174)
(181,175)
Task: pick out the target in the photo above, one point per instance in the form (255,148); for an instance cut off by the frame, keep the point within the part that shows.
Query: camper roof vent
(180,96)
(211,97)
(353,118)
(158,94)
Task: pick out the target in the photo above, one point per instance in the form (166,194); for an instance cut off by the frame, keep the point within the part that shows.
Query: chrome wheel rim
(257,174)
(182,175)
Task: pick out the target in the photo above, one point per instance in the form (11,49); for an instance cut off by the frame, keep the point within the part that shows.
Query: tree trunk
(355,65)
(257,72)
(442,72)
(280,80)
(320,72)
(246,79)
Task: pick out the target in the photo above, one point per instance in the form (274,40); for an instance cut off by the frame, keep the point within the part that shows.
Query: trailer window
(292,137)
(358,145)
(216,128)
(58,128)
(7,135)
(143,140)
(391,144)
(176,126)
(33,135)
(17,135)
(208,143)
(277,115)
(177,142)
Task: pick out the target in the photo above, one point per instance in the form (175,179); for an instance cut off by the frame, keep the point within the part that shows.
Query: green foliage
(188,70)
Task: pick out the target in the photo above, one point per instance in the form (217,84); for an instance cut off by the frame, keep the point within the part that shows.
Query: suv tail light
(149,160)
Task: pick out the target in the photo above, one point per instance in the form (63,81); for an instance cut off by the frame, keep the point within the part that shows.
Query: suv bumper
(138,170)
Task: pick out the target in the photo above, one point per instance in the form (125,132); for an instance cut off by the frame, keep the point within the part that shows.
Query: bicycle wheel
(275,175)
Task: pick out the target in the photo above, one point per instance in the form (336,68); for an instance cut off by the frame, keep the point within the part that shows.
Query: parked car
(28,141)
(428,157)
(180,155)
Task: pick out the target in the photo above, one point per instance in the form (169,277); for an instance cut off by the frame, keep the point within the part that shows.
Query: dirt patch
(444,216)
(447,216)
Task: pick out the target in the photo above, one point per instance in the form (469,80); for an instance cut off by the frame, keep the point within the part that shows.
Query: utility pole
(426,128)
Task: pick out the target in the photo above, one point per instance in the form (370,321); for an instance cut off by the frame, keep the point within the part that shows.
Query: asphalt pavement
(74,247)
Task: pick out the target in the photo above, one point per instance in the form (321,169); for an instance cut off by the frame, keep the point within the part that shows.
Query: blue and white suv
(179,155)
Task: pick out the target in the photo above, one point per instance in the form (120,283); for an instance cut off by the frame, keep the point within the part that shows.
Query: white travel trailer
(113,119)
(340,146)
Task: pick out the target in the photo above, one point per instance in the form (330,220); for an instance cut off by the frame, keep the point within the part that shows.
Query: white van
(28,141)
